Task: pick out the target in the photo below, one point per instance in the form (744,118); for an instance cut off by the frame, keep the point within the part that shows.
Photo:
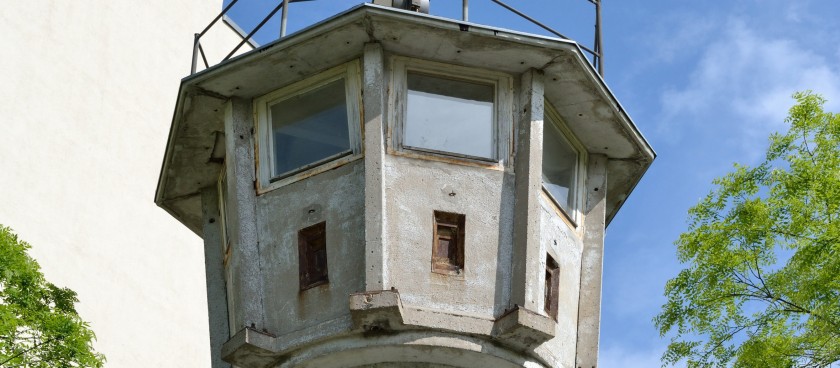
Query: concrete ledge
(524,328)
(250,348)
(458,323)
(380,314)
(377,311)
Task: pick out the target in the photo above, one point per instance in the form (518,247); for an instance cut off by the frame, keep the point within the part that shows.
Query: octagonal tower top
(590,110)
(389,187)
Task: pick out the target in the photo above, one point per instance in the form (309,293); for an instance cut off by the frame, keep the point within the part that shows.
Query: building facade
(87,91)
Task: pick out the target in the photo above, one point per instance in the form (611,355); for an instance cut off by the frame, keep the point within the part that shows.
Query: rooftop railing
(596,51)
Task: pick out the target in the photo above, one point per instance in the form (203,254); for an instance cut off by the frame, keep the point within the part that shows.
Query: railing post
(195,53)
(598,45)
(466,10)
(283,18)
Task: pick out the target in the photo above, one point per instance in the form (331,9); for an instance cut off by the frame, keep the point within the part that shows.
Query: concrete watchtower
(391,188)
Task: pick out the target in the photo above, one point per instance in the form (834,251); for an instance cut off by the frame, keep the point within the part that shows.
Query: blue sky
(705,81)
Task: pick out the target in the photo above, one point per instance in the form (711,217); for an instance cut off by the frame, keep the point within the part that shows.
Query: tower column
(245,258)
(592,262)
(527,188)
(373,84)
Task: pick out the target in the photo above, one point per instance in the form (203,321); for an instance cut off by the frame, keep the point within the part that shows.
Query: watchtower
(391,188)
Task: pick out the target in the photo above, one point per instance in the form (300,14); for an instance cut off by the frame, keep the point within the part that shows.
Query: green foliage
(39,326)
(762,287)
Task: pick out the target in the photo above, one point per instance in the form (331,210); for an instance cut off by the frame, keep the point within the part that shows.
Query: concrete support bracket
(250,348)
(376,311)
(523,328)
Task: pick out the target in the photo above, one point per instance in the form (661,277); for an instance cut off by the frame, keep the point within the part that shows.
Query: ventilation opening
(312,250)
(448,246)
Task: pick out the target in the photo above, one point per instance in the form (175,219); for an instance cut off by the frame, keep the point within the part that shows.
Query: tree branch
(50,340)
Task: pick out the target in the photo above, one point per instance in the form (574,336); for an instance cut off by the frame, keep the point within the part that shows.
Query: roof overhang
(573,87)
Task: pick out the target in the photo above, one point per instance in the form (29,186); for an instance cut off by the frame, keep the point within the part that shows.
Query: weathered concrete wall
(87,99)
(564,244)
(414,190)
(379,212)
(337,197)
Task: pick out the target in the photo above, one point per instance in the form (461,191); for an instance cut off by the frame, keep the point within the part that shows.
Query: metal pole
(466,10)
(598,45)
(195,53)
(203,57)
(283,18)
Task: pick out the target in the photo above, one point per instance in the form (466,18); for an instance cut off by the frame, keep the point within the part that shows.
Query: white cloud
(749,77)
(678,34)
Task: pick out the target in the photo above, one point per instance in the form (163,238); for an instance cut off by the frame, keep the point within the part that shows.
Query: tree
(39,326)
(762,283)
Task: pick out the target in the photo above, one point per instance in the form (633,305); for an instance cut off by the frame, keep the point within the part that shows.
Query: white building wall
(88,91)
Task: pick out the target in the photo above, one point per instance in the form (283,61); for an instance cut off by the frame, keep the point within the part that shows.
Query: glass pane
(450,116)
(310,127)
(559,167)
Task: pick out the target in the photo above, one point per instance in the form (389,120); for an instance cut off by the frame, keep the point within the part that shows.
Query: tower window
(311,125)
(309,128)
(552,283)
(451,111)
(312,250)
(449,115)
(563,159)
(448,243)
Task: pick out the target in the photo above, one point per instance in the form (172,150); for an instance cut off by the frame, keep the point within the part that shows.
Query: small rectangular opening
(552,283)
(448,243)
(312,250)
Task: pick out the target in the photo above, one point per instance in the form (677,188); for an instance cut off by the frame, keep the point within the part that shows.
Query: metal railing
(197,49)
(596,52)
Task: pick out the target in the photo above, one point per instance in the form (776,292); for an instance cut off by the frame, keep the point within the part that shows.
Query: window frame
(502,124)
(552,120)
(265,159)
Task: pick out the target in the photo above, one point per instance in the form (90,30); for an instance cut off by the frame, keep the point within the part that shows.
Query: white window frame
(502,114)
(350,72)
(553,120)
